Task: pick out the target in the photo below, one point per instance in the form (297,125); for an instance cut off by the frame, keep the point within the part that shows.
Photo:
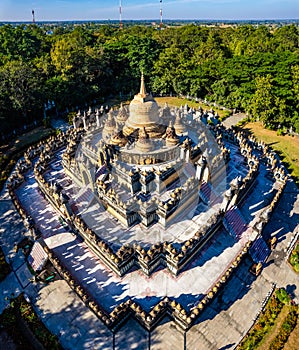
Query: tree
(18,43)
(258,41)
(286,38)
(211,49)
(141,53)
(81,69)
(170,72)
(21,91)
(247,67)
(295,83)
(263,101)
(220,91)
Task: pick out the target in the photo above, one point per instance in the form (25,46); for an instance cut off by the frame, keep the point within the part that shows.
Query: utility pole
(33,16)
(120,19)
(161,18)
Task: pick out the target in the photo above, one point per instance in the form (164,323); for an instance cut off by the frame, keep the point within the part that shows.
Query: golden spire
(142,92)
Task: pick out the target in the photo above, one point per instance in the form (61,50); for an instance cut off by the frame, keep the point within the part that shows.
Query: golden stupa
(144,113)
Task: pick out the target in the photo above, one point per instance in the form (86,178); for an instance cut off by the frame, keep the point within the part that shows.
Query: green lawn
(177,102)
(30,138)
(11,152)
(294,258)
(286,146)
(275,326)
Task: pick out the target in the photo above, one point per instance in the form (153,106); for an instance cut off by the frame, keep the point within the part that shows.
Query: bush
(70,117)
(19,307)
(294,258)
(4,266)
(283,296)
(242,122)
(263,325)
(296,267)
(286,329)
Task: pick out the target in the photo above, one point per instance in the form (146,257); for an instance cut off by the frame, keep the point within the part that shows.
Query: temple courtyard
(140,267)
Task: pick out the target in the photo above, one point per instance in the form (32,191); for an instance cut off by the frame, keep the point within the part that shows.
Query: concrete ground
(221,326)
(234,119)
(109,289)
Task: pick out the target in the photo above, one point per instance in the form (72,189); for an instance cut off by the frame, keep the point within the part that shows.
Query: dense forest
(252,68)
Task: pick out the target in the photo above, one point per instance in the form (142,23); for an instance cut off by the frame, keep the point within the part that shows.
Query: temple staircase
(259,250)
(82,200)
(234,223)
(207,194)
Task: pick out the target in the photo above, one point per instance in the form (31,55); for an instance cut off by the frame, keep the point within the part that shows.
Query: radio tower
(120,20)
(161,19)
(33,17)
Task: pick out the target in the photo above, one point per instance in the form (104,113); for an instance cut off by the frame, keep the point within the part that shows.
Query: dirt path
(272,334)
(292,343)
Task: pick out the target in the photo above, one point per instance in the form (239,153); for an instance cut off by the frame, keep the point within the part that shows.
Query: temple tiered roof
(155,163)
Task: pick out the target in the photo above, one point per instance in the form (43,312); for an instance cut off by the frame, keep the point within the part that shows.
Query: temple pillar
(98,119)
(84,121)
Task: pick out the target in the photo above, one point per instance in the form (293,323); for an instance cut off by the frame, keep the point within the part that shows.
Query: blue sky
(20,10)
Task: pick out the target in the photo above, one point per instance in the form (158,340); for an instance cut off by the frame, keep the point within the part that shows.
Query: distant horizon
(164,20)
(138,10)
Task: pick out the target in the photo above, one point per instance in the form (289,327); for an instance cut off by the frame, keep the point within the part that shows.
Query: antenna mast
(161,18)
(33,16)
(120,19)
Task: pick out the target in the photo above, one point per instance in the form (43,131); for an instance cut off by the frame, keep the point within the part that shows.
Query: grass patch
(275,326)
(292,342)
(10,153)
(177,102)
(286,329)
(294,258)
(27,139)
(287,147)
(19,313)
(263,326)
(267,340)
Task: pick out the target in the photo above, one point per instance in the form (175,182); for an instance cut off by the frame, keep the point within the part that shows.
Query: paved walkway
(220,326)
(57,305)
(108,289)
(234,119)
